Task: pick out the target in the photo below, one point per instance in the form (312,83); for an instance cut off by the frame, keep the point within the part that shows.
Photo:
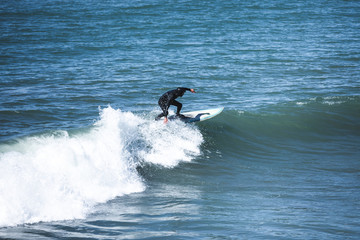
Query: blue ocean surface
(81,156)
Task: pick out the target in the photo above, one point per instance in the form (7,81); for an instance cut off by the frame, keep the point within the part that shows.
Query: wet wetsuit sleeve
(185,89)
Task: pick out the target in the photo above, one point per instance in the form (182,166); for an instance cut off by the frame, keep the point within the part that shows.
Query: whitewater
(62,175)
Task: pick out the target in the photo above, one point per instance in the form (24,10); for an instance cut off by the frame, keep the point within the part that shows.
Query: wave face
(303,119)
(326,129)
(61,175)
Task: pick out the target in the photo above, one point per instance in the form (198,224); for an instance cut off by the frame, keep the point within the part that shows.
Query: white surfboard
(198,116)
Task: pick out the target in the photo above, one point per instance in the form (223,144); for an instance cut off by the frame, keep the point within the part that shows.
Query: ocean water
(82,158)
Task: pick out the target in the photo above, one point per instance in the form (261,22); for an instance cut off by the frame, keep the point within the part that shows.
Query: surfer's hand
(192,90)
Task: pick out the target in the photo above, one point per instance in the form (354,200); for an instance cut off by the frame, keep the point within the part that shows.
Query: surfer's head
(180,92)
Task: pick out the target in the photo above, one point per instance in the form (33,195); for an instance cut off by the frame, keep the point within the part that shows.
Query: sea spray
(170,144)
(63,175)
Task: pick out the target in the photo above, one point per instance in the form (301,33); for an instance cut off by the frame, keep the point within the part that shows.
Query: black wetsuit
(168,99)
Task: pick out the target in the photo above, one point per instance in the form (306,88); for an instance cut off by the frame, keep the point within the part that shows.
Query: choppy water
(80,154)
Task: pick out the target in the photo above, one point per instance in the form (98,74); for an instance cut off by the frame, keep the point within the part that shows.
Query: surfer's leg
(178,105)
(159,116)
(164,108)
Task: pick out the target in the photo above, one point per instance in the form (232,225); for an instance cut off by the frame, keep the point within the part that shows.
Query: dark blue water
(82,158)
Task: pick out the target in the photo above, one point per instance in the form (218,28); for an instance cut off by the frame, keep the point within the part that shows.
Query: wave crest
(63,175)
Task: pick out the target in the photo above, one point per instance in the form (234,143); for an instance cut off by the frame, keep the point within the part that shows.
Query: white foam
(170,144)
(63,176)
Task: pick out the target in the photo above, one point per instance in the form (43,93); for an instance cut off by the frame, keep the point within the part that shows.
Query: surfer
(168,99)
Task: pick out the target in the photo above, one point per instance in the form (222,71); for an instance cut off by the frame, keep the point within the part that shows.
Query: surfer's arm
(188,89)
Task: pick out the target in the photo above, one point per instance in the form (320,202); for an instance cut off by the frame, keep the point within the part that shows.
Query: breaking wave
(62,175)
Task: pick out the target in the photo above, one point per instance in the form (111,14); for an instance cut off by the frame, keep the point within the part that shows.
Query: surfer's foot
(178,115)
